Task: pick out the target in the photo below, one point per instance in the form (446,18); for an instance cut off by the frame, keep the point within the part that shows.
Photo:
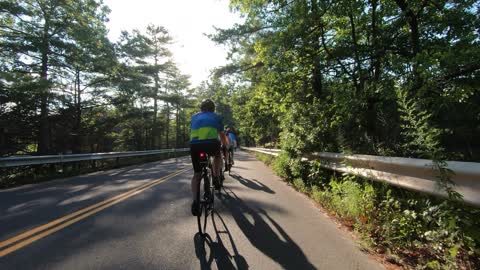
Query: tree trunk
(184,137)
(412,20)
(167,126)
(375,55)
(44,129)
(176,128)
(317,84)
(358,69)
(154,135)
(78,115)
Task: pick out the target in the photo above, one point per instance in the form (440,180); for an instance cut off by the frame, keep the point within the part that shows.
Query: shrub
(414,229)
(300,185)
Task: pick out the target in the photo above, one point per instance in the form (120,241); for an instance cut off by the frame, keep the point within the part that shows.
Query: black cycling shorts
(210,148)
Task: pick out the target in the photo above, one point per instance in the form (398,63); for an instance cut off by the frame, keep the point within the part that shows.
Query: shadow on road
(252,183)
(280,248)
(208,250)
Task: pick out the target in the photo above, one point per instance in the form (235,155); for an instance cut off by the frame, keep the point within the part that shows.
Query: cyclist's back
(206,127)
(232,139)
(233,142)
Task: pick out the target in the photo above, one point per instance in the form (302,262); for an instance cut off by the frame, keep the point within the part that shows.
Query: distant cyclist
(206,129)
(233,143)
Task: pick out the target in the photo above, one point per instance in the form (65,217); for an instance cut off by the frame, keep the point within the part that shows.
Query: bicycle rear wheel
(205,197)
(230,163)
(200,206)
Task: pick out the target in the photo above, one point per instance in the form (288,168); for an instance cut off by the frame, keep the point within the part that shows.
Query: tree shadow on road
(280,248)
(252,183)
(209,251)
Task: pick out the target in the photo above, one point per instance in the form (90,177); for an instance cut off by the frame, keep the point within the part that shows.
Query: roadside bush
(352,200)
(267,159)
(281,166)
(299,185)
(413,229)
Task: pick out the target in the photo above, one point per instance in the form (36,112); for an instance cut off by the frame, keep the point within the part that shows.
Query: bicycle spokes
(206,201)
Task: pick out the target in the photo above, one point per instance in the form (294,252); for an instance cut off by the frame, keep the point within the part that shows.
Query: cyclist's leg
(197,169)
(217,164)
(218,179)
(194,184)
(231,152)
(195,155)
(213,149)
(225,155)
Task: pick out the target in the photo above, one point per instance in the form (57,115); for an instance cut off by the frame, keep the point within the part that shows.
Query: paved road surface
(139,218)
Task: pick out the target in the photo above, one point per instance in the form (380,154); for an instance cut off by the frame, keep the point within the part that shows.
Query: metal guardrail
(409,173)
(36,160)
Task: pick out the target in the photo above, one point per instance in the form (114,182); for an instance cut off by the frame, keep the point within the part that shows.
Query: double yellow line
(30,236)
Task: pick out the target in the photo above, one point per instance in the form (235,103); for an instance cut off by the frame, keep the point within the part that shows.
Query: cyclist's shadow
(208,251)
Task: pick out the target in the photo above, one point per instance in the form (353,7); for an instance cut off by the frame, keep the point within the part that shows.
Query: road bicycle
(229,161)
(205,195)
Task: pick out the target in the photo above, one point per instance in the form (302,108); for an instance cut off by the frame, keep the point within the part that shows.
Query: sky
(187,21)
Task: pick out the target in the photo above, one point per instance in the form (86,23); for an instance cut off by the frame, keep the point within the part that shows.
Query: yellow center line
(83,214)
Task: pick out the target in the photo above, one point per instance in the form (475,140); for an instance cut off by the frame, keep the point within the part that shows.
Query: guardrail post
(117,162)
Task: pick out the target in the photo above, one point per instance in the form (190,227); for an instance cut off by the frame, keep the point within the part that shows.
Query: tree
(329,72)
(37,37)
(151,79)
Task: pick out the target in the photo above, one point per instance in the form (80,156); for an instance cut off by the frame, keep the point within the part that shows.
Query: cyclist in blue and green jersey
(232,141)
(206,129)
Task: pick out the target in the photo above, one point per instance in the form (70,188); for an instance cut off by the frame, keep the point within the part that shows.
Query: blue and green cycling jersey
(205,127)
(231,137)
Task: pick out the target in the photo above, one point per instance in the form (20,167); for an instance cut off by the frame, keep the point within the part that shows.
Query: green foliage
(154,106)
(267,159)
(421,139)
(299,185)
(412,229)
(393,78)
(60,48)
(281,166)
(65,88)
(369,77)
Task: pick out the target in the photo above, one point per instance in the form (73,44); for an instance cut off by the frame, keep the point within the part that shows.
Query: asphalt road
(139,218)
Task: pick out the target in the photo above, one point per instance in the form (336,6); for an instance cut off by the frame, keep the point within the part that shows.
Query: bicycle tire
(200,205)
(206,203)
(230,163)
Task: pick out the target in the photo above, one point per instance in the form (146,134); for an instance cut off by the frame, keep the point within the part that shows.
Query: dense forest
(66,88)
(384,77)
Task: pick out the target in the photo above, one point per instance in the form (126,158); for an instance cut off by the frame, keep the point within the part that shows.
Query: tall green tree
(152,83)
(37,38)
